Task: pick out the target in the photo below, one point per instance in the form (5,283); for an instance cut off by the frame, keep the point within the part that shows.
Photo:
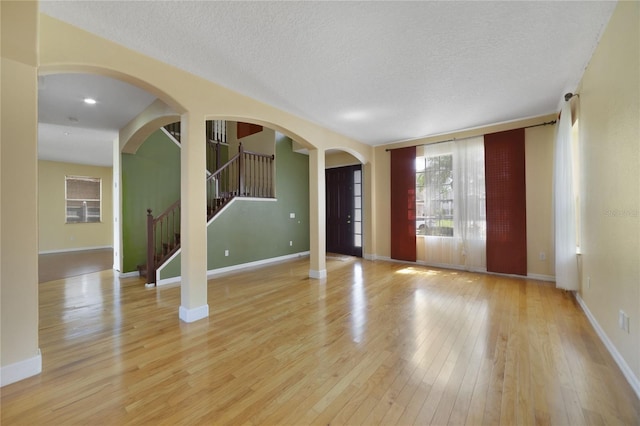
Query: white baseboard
(368,256)
(167,281)
(388,259)
(213,272)
(75,249)
(233,268)
(318,275)
(21,370)
(541,277)
(195,314)
(626,370)
(129,274)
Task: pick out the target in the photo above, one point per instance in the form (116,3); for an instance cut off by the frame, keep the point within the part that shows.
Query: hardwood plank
(374,343)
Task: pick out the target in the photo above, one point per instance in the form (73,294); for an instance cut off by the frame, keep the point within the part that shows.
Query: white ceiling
(69,130)
(378,72)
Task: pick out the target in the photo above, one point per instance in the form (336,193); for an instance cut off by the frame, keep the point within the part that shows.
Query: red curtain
(403,204)
(506,202)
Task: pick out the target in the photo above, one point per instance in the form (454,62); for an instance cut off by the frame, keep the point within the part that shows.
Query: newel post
(241,171)
(151,267)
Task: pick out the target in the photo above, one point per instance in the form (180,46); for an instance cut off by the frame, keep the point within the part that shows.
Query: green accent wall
(150,179)
(254,230)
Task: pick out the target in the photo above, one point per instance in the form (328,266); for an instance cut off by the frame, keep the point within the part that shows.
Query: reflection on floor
(374,343)
(54,266)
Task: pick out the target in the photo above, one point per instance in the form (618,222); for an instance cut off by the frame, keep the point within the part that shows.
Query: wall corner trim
(626,370)
(21,370)
(195,314)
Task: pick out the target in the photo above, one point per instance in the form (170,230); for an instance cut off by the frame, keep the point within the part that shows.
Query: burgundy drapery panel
(504,154)
(403,204)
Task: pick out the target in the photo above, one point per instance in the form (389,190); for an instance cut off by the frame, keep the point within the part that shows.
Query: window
(434,195)
(357,203)
(83,199)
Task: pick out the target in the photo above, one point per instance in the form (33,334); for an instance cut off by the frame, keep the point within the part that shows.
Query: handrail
(163,238)
(246,174)
(166,212)
(224,166)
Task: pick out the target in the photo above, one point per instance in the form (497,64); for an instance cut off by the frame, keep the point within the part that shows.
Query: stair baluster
(247,174)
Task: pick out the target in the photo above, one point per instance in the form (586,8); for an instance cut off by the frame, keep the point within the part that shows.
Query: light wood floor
(54,266)
(377,343)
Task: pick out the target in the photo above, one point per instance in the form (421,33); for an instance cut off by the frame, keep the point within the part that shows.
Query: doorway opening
(344,210)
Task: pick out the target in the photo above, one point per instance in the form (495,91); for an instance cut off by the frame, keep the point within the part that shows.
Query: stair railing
(163,238)
(257,174)
(247,174)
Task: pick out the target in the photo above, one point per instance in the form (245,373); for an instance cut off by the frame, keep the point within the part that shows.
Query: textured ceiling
(378,72)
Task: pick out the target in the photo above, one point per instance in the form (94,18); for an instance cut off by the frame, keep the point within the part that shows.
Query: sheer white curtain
(467,247)
(470,202)
(564,212)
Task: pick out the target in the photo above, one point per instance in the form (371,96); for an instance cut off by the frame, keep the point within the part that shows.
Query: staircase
(247,174)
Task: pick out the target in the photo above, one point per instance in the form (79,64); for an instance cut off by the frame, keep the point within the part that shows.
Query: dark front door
(344,210)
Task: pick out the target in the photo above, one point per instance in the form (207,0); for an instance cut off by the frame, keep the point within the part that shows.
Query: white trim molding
(318,275)
(626,370)
(160,268)
(238,199)
(21,370)
(167,281)
(541,277)
(75,249)
(129,274)
(213,272)
(173,139)
(233,268)
(194,314)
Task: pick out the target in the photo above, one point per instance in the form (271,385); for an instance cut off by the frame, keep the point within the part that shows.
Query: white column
(193,218)
(317,214)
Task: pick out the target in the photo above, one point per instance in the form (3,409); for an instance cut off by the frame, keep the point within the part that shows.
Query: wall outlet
(226,253)
(290,243)
(292,215)
(543,255)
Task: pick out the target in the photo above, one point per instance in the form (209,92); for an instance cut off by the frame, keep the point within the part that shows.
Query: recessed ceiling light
(89,101)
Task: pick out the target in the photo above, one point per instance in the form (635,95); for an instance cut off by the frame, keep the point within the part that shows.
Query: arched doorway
(344,185)
(80,116)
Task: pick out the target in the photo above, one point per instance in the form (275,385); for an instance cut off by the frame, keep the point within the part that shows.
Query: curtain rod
(546,123)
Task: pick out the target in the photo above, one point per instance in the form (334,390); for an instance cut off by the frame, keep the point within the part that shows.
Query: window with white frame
(434,195)
(83,196)
(451,203)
